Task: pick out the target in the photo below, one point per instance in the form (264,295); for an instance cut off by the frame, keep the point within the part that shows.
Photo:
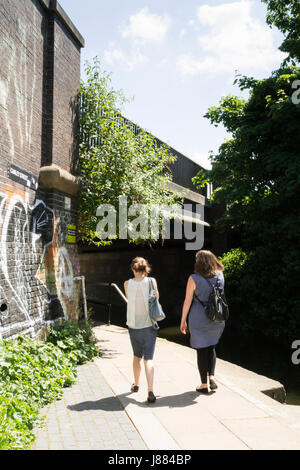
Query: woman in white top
(141,331)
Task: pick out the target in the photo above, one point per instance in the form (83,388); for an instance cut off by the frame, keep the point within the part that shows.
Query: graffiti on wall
(18,86)
(36,266)
(36,270)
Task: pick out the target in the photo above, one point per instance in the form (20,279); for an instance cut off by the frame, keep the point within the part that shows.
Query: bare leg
(149,370)
(136,370)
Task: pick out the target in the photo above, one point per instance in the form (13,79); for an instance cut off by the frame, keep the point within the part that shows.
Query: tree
(116,158)
(256,172)
(285,15)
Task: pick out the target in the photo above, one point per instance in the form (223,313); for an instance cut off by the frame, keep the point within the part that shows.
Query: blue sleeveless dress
(203,331)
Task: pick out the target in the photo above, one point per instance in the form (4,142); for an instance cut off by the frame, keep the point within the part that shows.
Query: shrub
(33,374)
(260,299)
(76,341)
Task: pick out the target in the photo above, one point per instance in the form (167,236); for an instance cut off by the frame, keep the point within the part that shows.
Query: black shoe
(151,397)
(134,388)
(212,384)
(202,390)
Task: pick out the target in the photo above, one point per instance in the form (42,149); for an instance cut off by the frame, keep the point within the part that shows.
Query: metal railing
(114,286)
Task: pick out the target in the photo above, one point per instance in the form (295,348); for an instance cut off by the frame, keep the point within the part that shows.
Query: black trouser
(206,359)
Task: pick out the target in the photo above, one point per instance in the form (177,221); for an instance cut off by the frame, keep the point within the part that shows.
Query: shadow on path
(106,352)
(104,404)
(113,404)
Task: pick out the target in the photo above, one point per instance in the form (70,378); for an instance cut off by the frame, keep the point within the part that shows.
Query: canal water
(258,356)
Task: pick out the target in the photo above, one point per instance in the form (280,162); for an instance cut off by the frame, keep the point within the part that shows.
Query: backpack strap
(204,304)
(199,300)
(210,285)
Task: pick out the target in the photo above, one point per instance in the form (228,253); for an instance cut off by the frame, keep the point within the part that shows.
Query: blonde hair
(207,264)
(140,265)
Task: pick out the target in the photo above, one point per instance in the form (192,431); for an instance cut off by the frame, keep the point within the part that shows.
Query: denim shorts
(143,342)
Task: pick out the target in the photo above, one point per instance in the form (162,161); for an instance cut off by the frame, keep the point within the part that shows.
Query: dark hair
(207,264)
(140,265)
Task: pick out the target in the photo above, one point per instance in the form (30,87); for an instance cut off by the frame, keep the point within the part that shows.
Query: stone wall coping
(53,5)
(186,193)
(55,177)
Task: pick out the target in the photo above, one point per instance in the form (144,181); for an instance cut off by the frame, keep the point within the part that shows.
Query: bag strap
(211,285)
(196,296)
(150,284)
(154,323)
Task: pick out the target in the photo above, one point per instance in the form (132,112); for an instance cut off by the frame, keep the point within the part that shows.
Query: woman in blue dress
(205,333)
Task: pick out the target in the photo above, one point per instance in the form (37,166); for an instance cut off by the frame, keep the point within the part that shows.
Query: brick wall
(22,32)
(66,83)
(39,78)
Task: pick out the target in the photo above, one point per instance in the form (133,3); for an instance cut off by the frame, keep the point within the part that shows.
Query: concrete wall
(39,78)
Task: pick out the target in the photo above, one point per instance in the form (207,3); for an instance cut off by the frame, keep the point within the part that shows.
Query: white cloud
(182,33)
(235,40)
(115,55)
(190,65)
(142,28)
(147,27)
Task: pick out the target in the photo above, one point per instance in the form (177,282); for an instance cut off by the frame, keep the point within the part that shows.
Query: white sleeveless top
(137,306)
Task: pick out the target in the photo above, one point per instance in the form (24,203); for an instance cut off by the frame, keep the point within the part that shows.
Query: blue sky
(177,58)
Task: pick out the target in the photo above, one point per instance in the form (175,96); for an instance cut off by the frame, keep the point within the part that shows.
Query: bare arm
(190,288)
(126,288)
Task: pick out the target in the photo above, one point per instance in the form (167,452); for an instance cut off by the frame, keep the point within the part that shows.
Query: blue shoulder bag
(155,309)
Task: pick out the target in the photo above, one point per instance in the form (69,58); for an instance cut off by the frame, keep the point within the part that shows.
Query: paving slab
(100,412)
(88,417)
(237,416)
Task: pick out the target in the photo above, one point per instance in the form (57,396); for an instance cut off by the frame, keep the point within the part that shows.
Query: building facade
(39,78)
(40,261)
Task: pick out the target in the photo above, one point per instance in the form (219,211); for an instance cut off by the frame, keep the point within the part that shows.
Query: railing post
(109,309)
(109,303)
